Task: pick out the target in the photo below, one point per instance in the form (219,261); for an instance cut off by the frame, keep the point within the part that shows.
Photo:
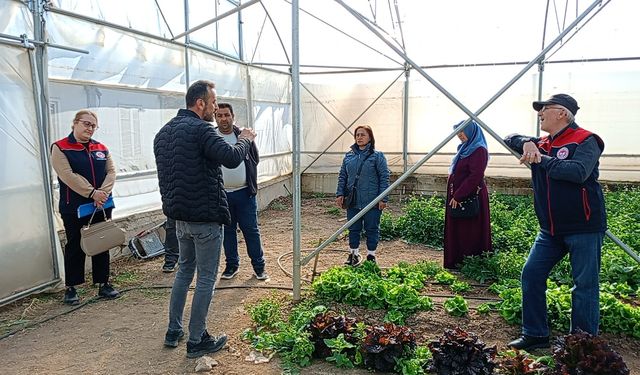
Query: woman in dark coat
(467,236)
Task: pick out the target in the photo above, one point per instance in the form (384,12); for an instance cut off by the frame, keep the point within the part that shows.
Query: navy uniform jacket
(91,162)
(567,196)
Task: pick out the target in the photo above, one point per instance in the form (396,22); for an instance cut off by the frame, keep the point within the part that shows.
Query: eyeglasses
(88,124)
(545,108)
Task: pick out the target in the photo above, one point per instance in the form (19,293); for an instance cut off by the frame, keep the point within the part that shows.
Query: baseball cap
(561,99)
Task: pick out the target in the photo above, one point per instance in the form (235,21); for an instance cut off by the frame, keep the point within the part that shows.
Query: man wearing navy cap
(569,204)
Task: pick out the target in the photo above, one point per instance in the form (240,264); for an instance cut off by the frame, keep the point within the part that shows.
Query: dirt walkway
(125,336)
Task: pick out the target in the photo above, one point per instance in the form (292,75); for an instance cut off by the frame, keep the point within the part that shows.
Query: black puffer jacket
(188,154)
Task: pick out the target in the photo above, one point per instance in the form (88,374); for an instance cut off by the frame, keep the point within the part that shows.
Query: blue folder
(88,208)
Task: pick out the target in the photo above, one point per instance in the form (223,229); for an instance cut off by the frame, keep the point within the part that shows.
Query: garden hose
(96,299)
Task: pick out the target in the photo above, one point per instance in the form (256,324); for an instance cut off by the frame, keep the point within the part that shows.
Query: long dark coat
(467,236)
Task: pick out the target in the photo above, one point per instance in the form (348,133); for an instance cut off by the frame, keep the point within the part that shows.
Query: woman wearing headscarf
(465,236)
(86,174)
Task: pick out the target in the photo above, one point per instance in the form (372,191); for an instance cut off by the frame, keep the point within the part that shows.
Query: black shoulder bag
(350,199)
(468,207)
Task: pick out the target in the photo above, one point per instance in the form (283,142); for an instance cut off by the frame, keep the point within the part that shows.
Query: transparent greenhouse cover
(451,39)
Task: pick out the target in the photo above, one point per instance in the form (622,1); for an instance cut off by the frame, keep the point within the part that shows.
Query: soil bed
(125,336)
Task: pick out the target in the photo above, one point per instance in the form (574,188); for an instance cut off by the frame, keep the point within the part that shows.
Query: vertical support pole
(295,110)
(250,115)
(541,61)
(187,76)
(405,118)
(540,82)
(40,81)
(240,41)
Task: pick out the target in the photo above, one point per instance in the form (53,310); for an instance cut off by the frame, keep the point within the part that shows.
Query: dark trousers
(243,208)
(74,256)
(171,250)
(371,223)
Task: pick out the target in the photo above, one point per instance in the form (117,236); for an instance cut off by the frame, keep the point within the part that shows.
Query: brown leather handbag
(100,237)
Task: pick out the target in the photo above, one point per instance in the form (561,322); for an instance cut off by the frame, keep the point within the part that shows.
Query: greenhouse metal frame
(50,62)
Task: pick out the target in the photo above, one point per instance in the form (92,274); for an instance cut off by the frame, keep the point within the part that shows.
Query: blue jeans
(584,254)
(171,250)
(244,214)
(371,222)
(199,248)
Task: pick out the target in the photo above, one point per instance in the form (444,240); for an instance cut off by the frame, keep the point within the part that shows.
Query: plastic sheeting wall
(347,101)
(136,84)
(25,245)
(608,94)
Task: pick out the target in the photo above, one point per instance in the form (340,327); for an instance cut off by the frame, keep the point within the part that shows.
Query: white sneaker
(262,275)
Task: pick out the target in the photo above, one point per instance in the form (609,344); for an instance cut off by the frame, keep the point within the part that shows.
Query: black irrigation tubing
(96,298)
(465,297)
(442,305)
(289,274)
(445,284)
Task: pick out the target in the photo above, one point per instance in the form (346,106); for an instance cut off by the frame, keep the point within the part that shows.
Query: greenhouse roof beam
(24,43)
(472,115)
(195,46)
(345,69)
(98,21)
(578,29)
(325,108)
(349,36)
(215,19)
(452,98)
(164,18)
(255,49)
(395,3)
(364,69)
(284,49)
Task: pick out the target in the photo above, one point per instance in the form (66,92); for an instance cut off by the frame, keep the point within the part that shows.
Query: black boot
(106,290)
(353,260)
(529,343)
(208,344)
(71,296)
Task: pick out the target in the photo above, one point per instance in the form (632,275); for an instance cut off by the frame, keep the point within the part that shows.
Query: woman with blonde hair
(86,174)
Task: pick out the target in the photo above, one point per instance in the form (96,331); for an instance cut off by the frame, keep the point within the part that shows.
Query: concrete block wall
(429,183)
(416,184)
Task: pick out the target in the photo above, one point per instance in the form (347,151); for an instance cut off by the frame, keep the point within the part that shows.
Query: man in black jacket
(241,186)
(570,207)
(189,153)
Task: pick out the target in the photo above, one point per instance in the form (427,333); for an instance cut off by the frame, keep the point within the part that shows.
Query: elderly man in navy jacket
(189,153)
(241,186)
(569,204)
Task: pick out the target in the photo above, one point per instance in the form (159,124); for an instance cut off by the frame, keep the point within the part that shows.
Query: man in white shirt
(241,186)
